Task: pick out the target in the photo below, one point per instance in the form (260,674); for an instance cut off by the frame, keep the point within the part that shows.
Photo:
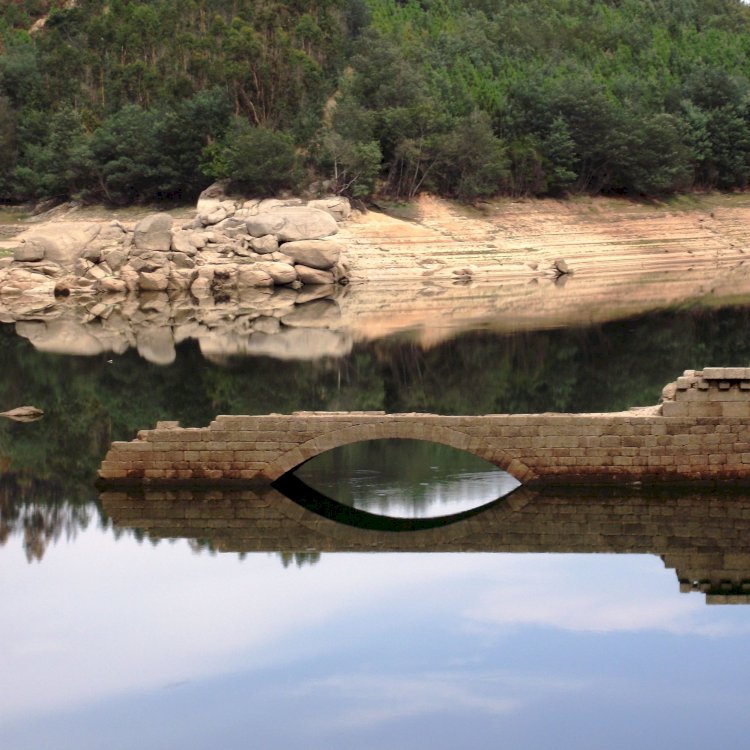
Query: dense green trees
(147,99)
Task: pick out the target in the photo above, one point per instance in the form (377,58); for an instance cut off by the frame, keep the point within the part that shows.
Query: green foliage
(124,155)
(471,161)
(564,95)
(260,160)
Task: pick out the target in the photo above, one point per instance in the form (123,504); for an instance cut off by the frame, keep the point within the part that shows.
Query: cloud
(368,700)
(594,593)
(99,619)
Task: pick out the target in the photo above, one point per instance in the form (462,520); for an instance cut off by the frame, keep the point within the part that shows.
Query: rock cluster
(231,248)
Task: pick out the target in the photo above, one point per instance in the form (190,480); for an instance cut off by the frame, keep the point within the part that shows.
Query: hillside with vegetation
(141,100)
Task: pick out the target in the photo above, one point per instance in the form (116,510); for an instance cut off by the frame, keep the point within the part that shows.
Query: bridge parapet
(711,392)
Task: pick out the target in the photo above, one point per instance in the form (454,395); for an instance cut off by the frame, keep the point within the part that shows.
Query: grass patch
(707,201)
(12,215)
(404,210)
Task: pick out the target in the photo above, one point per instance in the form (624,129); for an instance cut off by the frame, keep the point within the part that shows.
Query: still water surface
(406,478)
(114,639)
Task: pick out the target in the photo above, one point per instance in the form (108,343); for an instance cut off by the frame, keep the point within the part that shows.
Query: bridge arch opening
(400,478)
(406,430)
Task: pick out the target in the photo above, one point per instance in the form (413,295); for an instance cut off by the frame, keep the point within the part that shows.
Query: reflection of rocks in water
(286,344)
(281,323)
(37,511)
(704,537)
(65,336)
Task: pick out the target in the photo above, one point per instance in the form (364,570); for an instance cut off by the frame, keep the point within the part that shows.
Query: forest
(132,101)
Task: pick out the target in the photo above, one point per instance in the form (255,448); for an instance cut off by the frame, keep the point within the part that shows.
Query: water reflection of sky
(156,647)
(454,493)
(403,478)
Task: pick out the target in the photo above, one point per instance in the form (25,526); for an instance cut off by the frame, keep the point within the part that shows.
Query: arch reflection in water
(401,478)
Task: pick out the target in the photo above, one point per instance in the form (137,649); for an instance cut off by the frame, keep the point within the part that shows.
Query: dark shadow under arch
(316,502)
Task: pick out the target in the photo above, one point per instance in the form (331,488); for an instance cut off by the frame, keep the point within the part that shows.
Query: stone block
(735,409)
(736,373)
(707,409)
(713,373)
(728,394)
(693,394)
(685,382)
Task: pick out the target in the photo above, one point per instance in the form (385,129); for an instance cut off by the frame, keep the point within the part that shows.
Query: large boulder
(212,196)
(153,281)
(336,205)
(29,252)
(323,254)
(281,273)
(309,275)
(253,277)
(289,223)
(114,258)
(265,244)
(218,212)
(153,233)
(181,242)
(61,246)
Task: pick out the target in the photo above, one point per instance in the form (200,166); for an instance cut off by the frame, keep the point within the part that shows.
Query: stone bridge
(700,431)
(704,537)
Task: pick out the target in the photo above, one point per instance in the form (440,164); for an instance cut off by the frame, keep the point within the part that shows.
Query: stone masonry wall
(700,432)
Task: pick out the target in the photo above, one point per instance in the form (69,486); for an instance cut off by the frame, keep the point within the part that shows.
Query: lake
(238,619)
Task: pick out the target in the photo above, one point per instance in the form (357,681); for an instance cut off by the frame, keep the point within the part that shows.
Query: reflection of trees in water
(37,511)
(90,401)
(300,559)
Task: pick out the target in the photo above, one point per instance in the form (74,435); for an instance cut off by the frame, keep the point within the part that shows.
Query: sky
(112,642)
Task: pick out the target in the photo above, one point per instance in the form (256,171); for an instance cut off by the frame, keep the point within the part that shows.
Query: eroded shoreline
(448,269)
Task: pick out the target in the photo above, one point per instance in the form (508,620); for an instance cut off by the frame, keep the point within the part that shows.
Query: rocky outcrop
(230,247)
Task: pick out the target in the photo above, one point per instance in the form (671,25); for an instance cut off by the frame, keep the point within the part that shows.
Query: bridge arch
(335,438)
